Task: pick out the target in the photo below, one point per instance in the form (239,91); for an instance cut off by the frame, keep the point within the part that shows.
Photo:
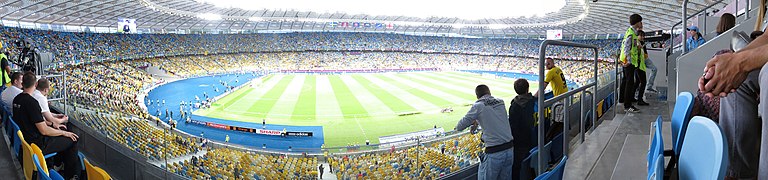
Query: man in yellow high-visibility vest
(5,66)
(629,58)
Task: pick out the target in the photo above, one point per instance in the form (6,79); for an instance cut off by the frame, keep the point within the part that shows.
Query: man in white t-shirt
(11,92)
(55,120)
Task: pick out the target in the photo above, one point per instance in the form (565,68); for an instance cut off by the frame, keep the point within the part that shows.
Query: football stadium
(296,89)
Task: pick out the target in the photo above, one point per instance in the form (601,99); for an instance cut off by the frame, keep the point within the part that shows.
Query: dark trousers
(519,170)
(641,82)
(66,150)
(628,86)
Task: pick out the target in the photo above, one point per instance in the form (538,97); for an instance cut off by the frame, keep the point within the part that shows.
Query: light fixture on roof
(209,16)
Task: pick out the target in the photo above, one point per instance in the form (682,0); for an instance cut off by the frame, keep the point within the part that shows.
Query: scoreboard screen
(125,25)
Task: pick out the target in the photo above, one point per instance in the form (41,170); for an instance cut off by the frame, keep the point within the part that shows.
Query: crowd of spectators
(225,163)
(80,46)
(108,91)
(418,162)
(138,135)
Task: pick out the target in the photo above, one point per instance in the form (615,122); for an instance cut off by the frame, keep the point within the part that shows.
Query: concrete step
(585,156)
(632,159)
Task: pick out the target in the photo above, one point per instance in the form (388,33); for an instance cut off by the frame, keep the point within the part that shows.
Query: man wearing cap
(695,40)
(630,58)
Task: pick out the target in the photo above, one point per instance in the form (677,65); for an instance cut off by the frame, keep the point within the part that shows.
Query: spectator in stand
(694,39)
(556,78)
(522,123)
(11,92)
(640,72)
(26,113)
(630,55)
(741,78)
(727,21)
(489,112)
(57,121)
(321,169)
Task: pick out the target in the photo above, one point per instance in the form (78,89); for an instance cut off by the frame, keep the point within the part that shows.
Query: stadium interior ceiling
(576,17)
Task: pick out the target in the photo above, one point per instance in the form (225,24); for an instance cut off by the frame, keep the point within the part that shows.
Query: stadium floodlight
(209,16)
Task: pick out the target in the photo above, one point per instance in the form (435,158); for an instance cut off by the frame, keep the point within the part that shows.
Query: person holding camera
(490,113)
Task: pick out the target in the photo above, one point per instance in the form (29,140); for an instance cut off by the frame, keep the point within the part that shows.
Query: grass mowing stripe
(232,98)
(430,85)
(446,86)
(269,99)
(348,103)
(473,77)
(394,103)
(437,101)
(305,106)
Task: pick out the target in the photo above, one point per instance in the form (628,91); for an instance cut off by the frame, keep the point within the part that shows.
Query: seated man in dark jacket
(522,123)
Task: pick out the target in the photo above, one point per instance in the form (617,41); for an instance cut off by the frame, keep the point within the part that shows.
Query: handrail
(685,20)
(685,6)
(543,103)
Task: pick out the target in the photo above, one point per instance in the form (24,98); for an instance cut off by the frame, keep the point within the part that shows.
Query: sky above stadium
(469,10)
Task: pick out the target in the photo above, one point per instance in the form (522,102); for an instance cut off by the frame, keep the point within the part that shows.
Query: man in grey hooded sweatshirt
(521,122)
(491,114)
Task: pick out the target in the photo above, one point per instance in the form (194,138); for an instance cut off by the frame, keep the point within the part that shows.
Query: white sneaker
(632,109)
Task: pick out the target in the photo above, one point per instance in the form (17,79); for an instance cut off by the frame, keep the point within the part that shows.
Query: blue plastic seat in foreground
(534,156)
(657,146)
(556,173)
(680,118)
(704,157)
(556,151)
(51,175)
(658,167)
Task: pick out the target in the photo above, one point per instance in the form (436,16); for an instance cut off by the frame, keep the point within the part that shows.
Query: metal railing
(685,18)
(544,103)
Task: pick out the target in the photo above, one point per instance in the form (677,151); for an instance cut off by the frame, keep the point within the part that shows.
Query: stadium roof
(576,17)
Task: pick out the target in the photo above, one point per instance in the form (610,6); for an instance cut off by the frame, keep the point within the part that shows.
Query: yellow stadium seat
(36,151)
(95,173)
(27,163)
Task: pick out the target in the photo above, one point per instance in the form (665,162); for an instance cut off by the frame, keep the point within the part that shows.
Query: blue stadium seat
(680,118)
(15,139)
(51,175)
(556,151)
(706,156)
(533,158)
(657,146)
(556,173)
(658,167)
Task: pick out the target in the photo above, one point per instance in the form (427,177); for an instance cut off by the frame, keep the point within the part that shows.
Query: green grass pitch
(353,108)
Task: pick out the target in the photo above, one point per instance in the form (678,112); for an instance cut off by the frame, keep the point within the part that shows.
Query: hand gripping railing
(542,103)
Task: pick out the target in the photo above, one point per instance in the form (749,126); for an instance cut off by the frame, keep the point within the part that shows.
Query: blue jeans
(497,165)
(651,69)
(742,127)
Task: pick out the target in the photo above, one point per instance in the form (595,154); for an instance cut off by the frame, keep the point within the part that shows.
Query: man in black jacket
(521,122)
